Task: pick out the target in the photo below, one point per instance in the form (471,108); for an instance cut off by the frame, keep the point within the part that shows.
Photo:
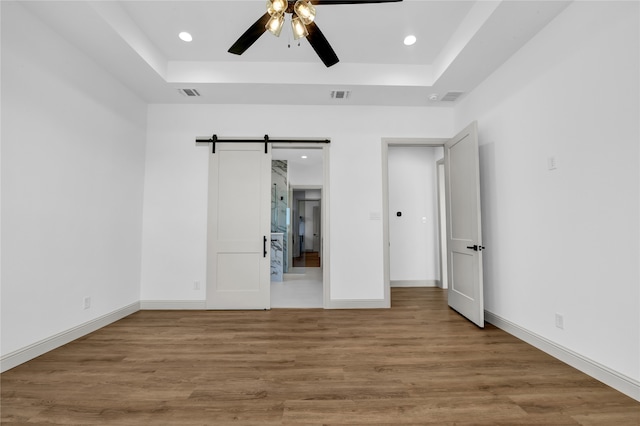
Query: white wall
(301,174)
(566,241)
(72,182)
(174,235)
(312,194)
(413,253)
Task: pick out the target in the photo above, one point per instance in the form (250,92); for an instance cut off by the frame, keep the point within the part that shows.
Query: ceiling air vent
(189,92)
(451,96)
(340,94)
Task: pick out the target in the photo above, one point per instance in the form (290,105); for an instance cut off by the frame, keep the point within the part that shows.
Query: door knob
(476,247)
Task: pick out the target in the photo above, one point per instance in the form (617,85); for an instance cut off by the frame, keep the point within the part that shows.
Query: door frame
(442,225)
(386,143)
(324,213)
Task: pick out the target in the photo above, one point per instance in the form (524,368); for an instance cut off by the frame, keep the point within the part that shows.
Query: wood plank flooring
(418,363)
(309,259)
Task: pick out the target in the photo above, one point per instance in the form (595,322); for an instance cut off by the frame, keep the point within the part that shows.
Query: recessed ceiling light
(185,36)
(409,40)
(304,157)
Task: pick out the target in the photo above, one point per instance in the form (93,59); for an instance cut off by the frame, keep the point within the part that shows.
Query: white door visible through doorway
(239,228)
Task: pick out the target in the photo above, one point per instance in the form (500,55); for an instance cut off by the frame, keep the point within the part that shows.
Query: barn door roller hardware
(213,140)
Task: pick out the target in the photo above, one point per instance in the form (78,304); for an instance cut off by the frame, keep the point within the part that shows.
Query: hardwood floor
(418,363)
(309,259)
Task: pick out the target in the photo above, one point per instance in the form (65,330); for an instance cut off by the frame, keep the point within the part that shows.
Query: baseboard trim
(618,381)
(184,305)
(20,356)
(172,305)
(357,304)
(414,283)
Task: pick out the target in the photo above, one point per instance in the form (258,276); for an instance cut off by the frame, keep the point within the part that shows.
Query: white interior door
(239,227)
(464,239)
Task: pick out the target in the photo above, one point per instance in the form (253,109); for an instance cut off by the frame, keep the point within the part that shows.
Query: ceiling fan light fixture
(275,24)
(305,11)
(299,29)
(277,7)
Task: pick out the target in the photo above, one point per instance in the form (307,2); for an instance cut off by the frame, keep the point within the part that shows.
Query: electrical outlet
(87,302)
(552,163)
(560,321)
(196,285)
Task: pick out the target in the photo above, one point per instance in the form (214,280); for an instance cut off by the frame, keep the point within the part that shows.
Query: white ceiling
(459,44)
(377,35)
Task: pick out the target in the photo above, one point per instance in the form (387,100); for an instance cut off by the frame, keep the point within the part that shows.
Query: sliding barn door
(239,227)
(464,238)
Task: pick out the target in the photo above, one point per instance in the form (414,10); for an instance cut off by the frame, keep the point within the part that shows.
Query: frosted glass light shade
(275,24)
(305,11)
(299,30)
(277,7)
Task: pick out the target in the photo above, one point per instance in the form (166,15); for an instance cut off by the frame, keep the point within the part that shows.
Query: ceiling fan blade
(250,36)
(327,2)
(321,45)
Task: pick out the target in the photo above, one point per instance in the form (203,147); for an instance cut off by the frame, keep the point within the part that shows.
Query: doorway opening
(411,219)
(442,221)
(299,221)
(308,225)
(464,244)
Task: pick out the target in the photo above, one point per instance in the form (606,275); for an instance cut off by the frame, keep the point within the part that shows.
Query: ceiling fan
(303,13)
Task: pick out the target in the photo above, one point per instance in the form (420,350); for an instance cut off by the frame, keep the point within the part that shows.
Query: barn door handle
(264,247)
(475,247)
